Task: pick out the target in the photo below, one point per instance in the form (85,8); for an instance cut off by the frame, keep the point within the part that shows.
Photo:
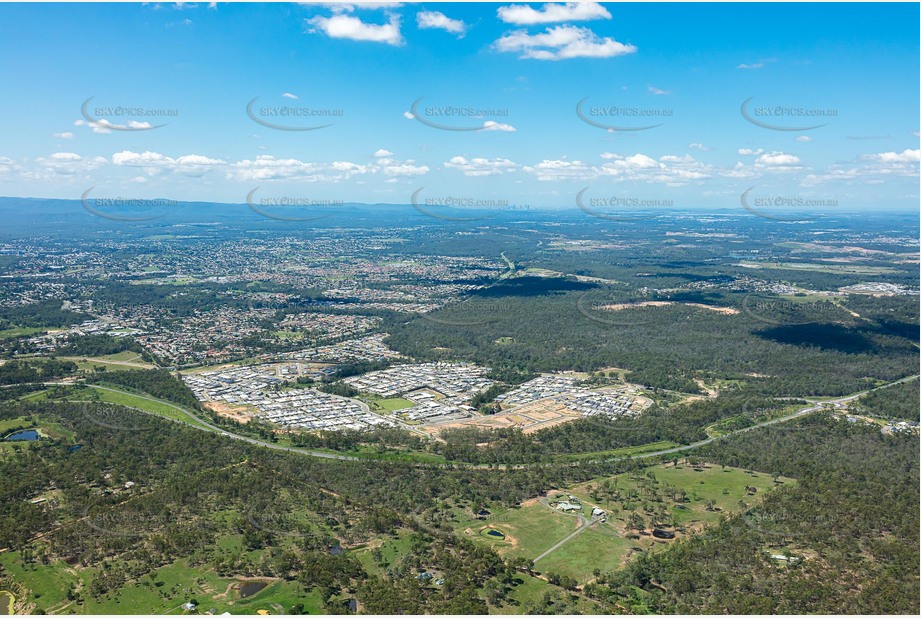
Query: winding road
(198,423)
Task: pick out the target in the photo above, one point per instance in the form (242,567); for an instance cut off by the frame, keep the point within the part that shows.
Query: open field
(24,331)
(666,303)
(141,402)
(111,362)
(387,405)
(165,593)
(678,500)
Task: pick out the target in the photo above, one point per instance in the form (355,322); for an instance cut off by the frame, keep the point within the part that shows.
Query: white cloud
(906,156)
(408,116)
(657,91)
(8,167)
(699,146)
(671,170)
(637,161)
(63,164)
(492,125)
(440,21)
(350,27)
(64,135)
(155,162)
(382,153)
(267,167)
(756,65)
(562,42)
(348,7)
(551,170)
(749,151)
(803,138)
(876,169)
(479,166)
(524,15)
(288,95)
(103,126)
(405,169)
(778,158)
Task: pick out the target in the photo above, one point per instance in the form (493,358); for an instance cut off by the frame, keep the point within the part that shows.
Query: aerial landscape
(438,308)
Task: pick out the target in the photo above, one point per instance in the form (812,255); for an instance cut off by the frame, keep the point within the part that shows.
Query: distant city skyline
(625,105)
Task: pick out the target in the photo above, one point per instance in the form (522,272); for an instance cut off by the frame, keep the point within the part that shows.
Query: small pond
(250,588)
(25,435)
(6,603)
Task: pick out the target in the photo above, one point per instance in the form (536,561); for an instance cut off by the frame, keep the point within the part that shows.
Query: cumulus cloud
(382,153)
(492,125)
(64,135)
(906,156)
(671,170)
(872,168)
(698,146)
(344,26)
(63,164)
(750,151)
(268,167)
(103,126)
(9,167)
(439,21)
(560,43)
(524,15)
(155,162)
(560,169)
(479,166)
(404,169)
(778,158)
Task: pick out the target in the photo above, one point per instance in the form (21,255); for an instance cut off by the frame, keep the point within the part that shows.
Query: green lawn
(10,333)
(598,547)
(387,405)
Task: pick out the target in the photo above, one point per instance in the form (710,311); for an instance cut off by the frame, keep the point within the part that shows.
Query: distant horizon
(722,209)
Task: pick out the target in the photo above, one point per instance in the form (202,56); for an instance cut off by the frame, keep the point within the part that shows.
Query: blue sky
(509,74)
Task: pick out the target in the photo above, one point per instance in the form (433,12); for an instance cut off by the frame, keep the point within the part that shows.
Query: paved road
(205,426)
